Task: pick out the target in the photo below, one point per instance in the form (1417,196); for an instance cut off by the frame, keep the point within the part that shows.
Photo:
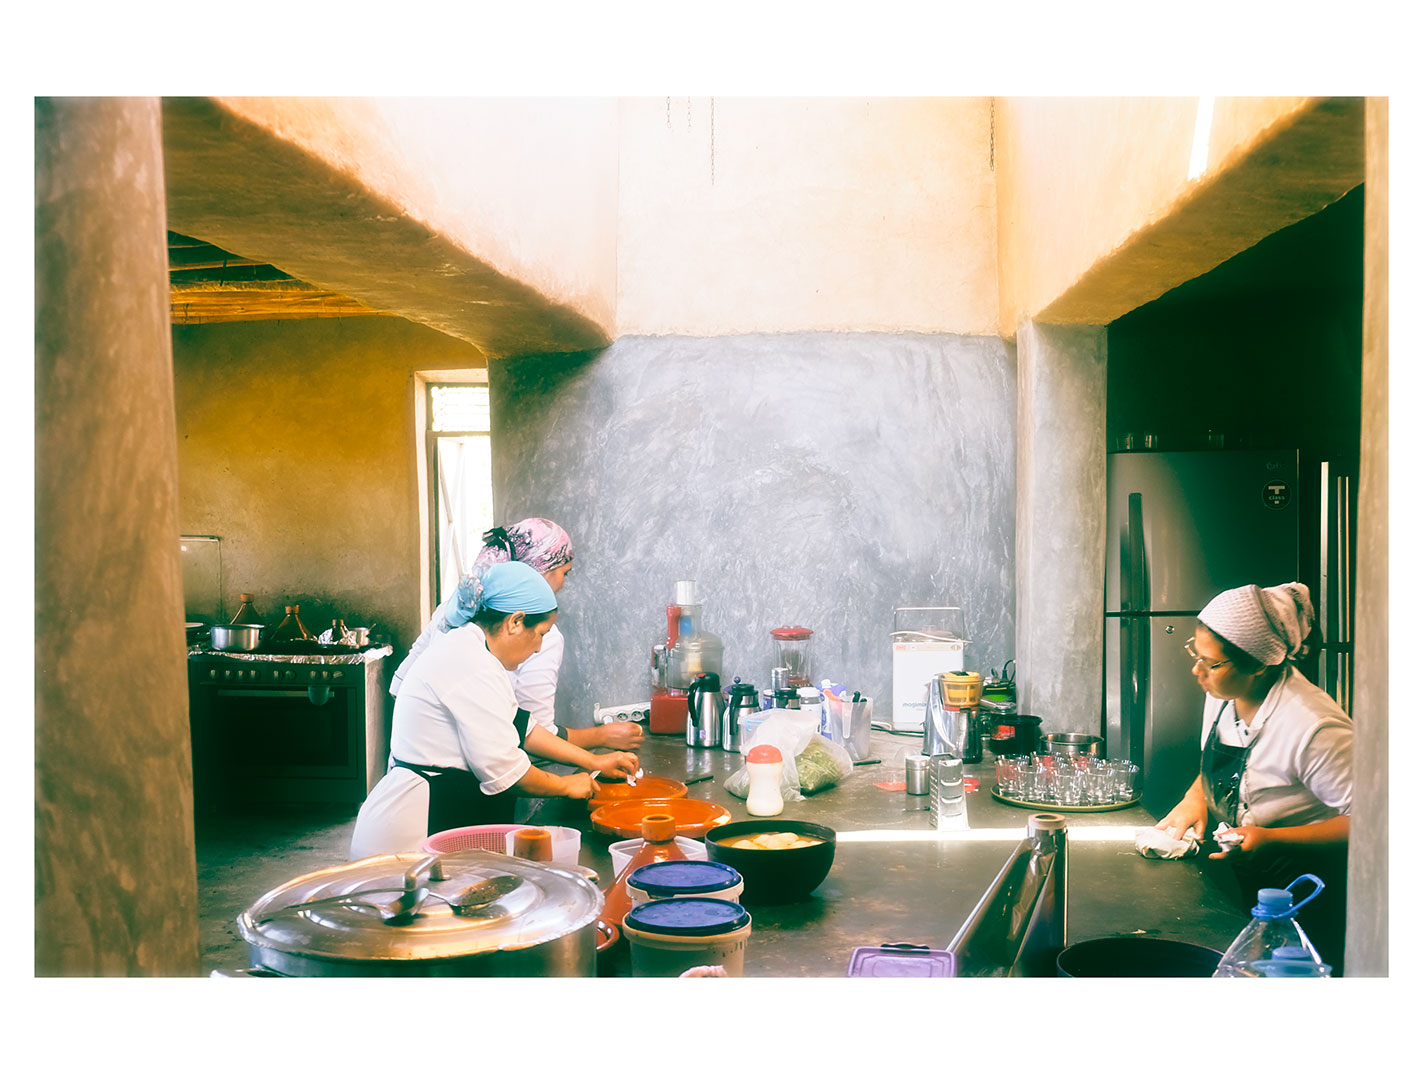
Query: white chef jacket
(535,682)
(1300,771)
(455,709)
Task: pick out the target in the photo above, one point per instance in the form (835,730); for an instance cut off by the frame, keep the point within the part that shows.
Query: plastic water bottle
(1273,944)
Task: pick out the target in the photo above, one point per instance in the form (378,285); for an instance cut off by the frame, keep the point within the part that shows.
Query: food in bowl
(775,840)
(775,875)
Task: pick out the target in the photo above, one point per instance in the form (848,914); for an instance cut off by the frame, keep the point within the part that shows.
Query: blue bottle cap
(1272,904)
(672,877)
(692,917)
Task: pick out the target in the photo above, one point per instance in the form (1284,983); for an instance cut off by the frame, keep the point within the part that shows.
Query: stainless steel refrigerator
(1184,526)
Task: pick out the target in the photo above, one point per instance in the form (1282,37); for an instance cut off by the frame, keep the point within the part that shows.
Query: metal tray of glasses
(1053,805)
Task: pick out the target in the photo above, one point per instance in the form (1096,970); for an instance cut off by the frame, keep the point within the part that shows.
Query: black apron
(455,798)
(1325,917)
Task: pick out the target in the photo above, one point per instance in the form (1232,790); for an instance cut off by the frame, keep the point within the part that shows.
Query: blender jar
(792,653)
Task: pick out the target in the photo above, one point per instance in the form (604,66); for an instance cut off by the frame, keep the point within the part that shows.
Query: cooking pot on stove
(236,637)
(545,925)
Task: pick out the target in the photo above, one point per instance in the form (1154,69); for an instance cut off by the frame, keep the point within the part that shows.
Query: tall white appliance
(1183,526)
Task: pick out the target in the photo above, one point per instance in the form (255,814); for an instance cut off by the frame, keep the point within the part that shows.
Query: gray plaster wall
(1060,537)
(813,478)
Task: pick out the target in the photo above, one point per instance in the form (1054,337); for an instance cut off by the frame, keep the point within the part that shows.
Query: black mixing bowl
(1134,955)
(775,876)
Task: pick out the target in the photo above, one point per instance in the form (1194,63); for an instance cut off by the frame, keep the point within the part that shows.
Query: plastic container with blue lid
(684,878)
(672,935)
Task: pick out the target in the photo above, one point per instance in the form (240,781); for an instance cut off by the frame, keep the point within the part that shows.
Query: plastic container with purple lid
(901,959)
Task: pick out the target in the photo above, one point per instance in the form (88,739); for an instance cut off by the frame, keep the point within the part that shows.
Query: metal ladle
(399,911)
(480,895)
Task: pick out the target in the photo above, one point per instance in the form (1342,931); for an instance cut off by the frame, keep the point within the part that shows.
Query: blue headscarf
(507,587)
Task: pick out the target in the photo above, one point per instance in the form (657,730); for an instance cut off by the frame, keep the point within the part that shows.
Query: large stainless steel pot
(546,926)
(235,637)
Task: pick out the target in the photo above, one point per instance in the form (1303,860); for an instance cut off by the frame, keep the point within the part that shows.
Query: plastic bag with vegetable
(822,765)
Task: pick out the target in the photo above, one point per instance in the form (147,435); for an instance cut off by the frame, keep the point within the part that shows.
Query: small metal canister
(915,775)
(946,805)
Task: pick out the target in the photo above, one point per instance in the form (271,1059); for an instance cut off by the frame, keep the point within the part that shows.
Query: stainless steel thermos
(704,708)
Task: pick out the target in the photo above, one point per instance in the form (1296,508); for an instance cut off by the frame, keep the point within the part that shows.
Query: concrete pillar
(1367,869)
(1060,525)
(115,869)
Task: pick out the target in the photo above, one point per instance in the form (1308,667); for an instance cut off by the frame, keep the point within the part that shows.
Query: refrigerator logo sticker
(1277,494)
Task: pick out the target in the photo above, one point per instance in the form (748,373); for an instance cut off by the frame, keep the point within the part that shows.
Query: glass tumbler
(1127,780)
(1009,776)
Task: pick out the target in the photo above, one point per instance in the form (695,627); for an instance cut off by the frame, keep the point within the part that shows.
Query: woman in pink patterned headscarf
(545,547)
(1276,767)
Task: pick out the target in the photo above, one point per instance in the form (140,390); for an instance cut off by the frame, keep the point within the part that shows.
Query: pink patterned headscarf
(538,543)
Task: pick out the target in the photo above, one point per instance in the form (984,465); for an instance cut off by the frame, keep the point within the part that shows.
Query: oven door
(292,744)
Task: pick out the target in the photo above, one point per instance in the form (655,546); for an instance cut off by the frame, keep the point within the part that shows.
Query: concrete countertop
(896,880)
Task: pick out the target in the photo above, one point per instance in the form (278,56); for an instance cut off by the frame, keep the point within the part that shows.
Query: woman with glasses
(1276,769)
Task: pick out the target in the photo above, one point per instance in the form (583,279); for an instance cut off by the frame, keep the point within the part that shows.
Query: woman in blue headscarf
(546,547)
(460,742)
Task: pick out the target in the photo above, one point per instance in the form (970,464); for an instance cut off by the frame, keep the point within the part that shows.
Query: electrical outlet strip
(625,712)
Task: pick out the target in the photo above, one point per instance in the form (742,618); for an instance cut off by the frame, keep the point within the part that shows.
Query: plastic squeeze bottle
(1273,944)
(764,765)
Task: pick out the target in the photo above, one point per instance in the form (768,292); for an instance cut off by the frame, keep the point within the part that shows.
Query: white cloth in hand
(1227,837)
(1158,845)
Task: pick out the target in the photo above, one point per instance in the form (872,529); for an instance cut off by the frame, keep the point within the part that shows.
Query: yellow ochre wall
(297,446)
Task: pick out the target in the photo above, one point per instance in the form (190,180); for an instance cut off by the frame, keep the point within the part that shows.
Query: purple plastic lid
(891,961)
(687,916)
(671,877)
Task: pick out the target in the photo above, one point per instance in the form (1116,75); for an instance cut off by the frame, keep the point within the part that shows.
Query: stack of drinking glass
(1068,781)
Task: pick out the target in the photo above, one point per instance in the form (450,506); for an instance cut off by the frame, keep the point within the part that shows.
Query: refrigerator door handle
(1134,586)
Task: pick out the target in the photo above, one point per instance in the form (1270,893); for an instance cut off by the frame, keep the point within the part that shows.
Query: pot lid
(673,877)
(693,917)
(547,903)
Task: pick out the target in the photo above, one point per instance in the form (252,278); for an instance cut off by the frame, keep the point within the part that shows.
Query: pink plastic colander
(492,837)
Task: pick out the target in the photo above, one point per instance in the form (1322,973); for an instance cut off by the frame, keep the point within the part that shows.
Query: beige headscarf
(1269,624)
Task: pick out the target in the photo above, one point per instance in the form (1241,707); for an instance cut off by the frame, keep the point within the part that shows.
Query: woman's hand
(1252,837)
(618,764)
(1192,811)
(622,736)
(579,786)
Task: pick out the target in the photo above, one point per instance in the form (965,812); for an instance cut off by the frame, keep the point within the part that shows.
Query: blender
(792,654)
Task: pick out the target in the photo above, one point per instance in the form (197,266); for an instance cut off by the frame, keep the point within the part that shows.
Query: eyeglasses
(1197,658)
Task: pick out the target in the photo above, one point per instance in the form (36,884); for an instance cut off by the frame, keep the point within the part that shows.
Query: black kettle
(743,703)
